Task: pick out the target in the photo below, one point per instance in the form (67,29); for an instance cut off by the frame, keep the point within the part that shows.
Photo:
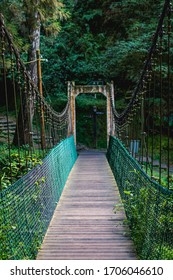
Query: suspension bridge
(58,204)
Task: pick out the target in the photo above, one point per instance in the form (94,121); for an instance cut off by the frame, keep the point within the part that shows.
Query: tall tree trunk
(34,35)
(23,133)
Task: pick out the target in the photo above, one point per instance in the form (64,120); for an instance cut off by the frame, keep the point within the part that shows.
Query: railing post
(110,103)
(72,110)
(40,88)
(111,116)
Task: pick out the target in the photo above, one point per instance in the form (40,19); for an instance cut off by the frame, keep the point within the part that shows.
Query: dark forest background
(86,42)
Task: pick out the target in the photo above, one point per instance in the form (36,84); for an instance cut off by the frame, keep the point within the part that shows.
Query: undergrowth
(15,163)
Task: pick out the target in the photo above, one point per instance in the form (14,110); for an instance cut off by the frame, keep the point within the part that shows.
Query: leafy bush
(15,164)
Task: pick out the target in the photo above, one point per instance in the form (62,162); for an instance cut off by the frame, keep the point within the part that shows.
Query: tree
(28,17)
(103,39)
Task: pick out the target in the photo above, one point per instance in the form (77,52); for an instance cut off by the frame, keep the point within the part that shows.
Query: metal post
(95,126)
(40,88)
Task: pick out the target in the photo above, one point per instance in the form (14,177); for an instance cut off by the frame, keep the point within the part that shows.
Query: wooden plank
(85,225)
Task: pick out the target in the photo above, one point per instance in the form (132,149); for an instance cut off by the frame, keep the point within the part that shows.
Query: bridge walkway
(84,225)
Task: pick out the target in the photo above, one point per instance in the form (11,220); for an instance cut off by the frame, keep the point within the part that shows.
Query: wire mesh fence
(148,205)
(29,127)
(27,206)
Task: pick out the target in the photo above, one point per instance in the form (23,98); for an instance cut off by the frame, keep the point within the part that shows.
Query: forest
(84,41)
(47,46)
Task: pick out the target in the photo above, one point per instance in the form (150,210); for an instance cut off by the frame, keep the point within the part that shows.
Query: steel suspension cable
(151,100)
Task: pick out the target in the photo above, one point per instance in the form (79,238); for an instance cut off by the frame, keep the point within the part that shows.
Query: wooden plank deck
(84,225)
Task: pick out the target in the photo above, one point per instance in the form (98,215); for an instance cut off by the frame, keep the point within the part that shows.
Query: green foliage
(27,206)
(85,120)
(135,207)
(20,18)
(158,143)
(102,39)
(14,165)
(98,39)
(140,219)
(91,14)
(105,39)
(7,230)
(148,205)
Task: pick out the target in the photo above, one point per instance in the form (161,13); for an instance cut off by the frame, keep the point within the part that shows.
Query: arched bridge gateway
(74,90)
(68,204)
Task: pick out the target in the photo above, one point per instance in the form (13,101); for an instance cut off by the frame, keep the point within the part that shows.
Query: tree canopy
(84,41)
(102,39)
(99,39)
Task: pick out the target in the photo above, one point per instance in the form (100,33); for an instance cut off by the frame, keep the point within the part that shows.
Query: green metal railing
(148,206)
(27,206)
